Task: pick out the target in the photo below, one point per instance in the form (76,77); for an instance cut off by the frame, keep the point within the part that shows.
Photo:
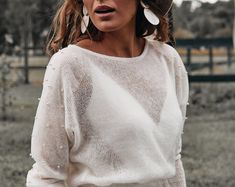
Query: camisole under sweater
(103,120)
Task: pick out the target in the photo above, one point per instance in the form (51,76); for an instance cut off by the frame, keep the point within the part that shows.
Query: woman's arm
(179,179)
(49,142)
(182,93)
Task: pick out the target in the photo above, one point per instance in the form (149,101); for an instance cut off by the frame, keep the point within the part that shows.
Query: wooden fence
(188,45)
(209,44)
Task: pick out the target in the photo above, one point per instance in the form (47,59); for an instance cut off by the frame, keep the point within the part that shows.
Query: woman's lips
(104,12)
(104,9)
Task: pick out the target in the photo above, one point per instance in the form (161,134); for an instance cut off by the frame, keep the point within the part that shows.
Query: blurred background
(204,32)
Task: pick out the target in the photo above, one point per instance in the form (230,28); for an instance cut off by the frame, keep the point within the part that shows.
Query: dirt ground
(208,151)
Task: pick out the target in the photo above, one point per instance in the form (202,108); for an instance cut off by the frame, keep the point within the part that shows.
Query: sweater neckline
(115,58)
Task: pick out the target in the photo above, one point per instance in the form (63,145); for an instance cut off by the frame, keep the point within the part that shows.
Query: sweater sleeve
(179,179)
(49,142)
(182,92)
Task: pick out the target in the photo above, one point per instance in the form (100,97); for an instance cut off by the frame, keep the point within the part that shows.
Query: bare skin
(119,29)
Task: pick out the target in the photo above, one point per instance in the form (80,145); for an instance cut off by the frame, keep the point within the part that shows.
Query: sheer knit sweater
(110,121)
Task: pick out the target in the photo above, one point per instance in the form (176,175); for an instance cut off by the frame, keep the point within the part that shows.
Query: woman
(113,103)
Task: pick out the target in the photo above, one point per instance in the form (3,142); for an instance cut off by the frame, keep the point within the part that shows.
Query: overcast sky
(211,1)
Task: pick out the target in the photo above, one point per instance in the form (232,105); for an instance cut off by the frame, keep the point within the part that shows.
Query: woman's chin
(107,26)
(107,29)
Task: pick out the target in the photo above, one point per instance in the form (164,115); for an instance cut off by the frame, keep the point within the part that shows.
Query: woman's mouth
(104,9)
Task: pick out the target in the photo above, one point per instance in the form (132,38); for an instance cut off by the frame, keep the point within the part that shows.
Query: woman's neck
(120,43)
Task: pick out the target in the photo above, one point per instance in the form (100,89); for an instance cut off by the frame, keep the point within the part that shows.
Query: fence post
(229,56)
(26,56)
(188,59)
(211,59)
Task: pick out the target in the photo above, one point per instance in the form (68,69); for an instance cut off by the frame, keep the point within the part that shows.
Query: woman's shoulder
(170,54)
(68,64)
(164,48)
(67,57)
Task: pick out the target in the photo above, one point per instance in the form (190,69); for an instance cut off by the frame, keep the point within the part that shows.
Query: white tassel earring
(85,19)
(150,16)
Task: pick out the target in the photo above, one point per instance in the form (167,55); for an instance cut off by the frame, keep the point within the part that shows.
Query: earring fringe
(85,20)
(149,15)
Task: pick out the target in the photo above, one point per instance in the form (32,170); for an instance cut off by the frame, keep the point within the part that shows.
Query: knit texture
(104,120)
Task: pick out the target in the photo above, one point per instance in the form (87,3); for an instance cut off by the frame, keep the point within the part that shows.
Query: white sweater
(103,120)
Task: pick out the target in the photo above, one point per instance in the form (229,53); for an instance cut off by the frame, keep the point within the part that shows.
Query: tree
(208,20)
(28,18)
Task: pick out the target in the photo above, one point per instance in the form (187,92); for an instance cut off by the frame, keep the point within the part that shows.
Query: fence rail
(209,44)
(212,78)
(189,45)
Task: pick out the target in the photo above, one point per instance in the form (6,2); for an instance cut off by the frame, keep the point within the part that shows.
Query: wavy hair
(65,28)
